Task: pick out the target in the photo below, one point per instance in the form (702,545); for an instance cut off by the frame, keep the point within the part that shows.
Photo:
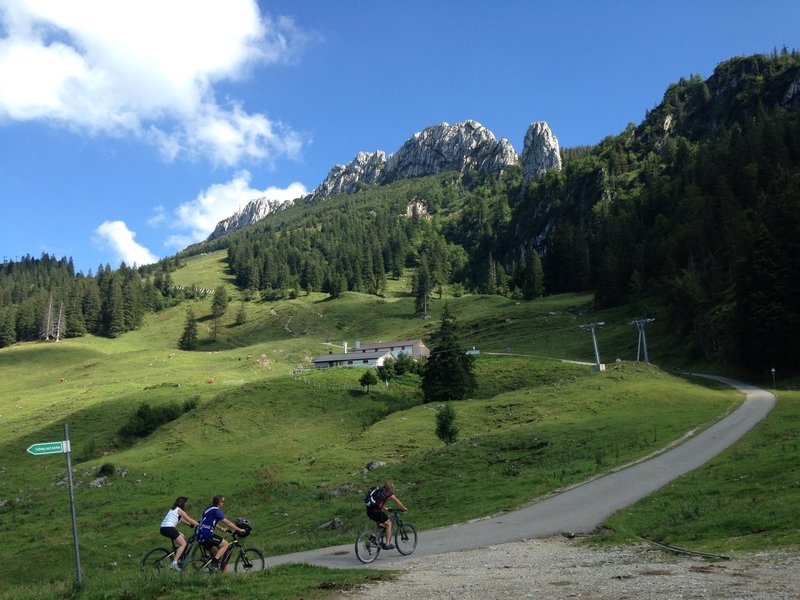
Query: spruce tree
(188,340)
(8,334)
(449,372)
(218,307)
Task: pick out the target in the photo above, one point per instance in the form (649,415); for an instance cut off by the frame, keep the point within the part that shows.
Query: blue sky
(129,129)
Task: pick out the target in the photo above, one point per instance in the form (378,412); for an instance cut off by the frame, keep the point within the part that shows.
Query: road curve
(580,508)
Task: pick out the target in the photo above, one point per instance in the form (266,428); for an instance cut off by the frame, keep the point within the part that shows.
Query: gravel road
(557,567)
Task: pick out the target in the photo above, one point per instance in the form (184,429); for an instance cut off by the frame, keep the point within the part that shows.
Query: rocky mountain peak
(540,152)
(436,149)
(366,167)
(253,211)
(448,147)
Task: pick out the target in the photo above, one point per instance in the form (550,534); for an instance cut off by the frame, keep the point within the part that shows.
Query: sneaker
(174,566)
(387,546)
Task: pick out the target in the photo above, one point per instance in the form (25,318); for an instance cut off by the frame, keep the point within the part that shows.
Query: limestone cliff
(448,147)
(253,211)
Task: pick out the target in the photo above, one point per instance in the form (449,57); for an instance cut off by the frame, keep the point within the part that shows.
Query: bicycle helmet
(243,524)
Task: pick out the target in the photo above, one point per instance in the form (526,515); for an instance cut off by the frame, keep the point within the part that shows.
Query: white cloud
(145,68)
(116,236)
(159,216)
(198,217)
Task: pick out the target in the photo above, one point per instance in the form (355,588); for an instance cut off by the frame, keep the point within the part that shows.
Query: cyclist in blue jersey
(211,519)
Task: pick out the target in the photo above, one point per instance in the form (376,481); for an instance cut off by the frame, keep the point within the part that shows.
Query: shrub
(446,429)
(106,470)
(147,419)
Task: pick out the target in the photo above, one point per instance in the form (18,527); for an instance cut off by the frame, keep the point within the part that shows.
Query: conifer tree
(8,334)
(241,314)
(218,307)
(188,340)
(449,372)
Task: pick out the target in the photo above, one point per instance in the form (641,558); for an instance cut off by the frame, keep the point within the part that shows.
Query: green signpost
(48,448)
(43,448)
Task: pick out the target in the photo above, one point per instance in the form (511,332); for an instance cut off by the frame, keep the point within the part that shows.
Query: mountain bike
(247,559)
(369,541)
(160,558)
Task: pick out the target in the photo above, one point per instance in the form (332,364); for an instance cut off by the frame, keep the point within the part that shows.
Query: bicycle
(369,541)
(247,559)
(160,558)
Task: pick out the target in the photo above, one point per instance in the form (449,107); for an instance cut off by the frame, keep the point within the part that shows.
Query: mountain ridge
(435,149)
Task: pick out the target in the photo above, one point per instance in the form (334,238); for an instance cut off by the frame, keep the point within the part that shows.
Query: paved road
(579,509)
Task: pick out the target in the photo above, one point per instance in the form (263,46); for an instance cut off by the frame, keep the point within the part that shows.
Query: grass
(289,452)
(746,499)
(290,581)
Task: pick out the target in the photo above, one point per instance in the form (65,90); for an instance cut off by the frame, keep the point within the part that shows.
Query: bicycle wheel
(405,538)
(156,559)
(249,560)
(196,551)
(368,546)
(201,565)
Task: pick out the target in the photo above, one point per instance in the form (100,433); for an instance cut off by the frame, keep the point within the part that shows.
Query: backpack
(374,496)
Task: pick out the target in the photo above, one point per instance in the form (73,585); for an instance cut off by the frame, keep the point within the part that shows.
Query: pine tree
(46,330)
(422,287)
(241,314)
(114,310)
(218,307)
(449,372)
(8,334)
(188,340)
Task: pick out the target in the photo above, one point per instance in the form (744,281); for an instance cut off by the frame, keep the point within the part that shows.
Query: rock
(334,523)
(253,211)
(365,168)
(436,149)
(540,152)
(375,464)
(99,482)
(448,147)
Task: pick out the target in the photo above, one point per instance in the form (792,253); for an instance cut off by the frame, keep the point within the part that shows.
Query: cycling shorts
(170,532)
(377,515)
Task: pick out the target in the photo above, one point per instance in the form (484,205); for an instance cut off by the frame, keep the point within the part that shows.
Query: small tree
(188,340)
(368,379)
(241,314)
(386,372)
(446,428)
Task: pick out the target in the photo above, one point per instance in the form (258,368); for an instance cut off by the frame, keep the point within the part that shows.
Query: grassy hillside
(289,452)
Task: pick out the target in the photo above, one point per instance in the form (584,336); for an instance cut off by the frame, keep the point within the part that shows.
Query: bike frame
(226,557)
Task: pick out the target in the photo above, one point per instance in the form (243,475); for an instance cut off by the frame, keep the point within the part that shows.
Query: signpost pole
(72,509)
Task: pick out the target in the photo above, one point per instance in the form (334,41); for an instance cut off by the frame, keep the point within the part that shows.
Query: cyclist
(377,497)
(212,517)
(169,528)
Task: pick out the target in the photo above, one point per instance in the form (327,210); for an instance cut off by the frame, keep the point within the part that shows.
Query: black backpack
(374,496)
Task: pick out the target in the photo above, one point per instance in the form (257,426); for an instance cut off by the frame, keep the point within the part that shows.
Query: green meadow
(288,446)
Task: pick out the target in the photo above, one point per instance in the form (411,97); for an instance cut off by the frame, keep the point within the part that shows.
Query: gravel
(566,568)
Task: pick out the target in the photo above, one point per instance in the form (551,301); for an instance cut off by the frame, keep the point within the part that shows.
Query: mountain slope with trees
(694,212)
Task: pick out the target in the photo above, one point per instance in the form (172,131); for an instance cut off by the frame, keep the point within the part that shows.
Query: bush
(446,429)
(147,419)
(106,470)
